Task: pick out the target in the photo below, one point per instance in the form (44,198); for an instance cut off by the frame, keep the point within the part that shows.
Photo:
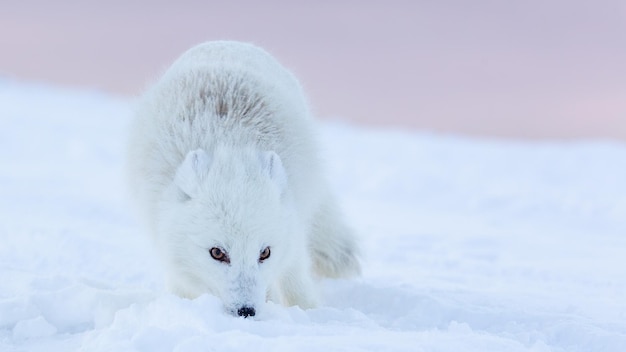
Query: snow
(470,244)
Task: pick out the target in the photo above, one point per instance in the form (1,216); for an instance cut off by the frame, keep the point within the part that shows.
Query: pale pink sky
(536,68)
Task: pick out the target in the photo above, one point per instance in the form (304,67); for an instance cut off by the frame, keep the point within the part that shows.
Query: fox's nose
(246,312)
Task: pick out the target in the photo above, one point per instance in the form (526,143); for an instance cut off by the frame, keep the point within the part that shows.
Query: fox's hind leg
(334,247)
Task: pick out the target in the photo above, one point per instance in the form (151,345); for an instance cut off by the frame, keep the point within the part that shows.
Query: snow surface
(471,245)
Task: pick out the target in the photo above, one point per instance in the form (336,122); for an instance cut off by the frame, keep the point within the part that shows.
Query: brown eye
(219,255)
(265,254)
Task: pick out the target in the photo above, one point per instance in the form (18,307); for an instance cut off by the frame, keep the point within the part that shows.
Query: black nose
(246,312)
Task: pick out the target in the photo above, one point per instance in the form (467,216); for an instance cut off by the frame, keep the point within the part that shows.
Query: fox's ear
(273,166)
(192,171)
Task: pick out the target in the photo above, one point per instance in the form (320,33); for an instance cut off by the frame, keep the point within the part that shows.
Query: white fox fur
(223,155)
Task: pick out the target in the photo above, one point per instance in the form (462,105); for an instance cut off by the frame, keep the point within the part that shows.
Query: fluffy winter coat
(224,163)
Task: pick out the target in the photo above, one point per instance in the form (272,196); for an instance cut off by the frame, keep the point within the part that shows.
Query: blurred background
(521,69)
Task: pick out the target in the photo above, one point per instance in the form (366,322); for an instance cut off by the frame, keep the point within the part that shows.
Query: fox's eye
(219,255)
(265,253)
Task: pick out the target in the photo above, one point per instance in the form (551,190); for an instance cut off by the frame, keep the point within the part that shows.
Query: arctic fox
(224,164)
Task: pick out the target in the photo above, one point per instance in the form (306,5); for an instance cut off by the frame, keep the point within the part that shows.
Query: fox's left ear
(273,166)
(192,171)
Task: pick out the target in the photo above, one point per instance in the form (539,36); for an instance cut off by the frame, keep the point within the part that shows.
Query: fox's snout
(246,311)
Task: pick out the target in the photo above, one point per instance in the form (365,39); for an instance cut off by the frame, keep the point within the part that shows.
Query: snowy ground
(471,245)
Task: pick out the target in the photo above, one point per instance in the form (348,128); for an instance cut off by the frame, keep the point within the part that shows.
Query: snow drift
(473,245)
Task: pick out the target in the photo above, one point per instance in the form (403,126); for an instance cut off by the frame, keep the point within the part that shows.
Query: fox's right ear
(192,171)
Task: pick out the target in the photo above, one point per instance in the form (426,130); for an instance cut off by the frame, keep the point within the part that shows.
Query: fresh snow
(470,244)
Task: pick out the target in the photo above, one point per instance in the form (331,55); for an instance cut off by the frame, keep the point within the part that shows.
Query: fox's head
(226,227)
